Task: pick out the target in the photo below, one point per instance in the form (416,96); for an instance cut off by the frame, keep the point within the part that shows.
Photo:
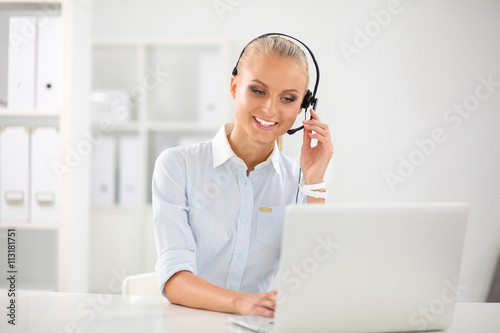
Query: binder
(128,157)
(48,63)
(103,173)
(209,84)
(21,62)
(44,182)
(14,174)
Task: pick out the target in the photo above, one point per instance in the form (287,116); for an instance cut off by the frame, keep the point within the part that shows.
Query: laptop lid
(370,267)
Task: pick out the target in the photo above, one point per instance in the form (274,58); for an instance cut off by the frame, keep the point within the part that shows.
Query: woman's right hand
(256,304)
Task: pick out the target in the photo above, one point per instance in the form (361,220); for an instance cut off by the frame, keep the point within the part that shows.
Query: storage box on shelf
(54,38)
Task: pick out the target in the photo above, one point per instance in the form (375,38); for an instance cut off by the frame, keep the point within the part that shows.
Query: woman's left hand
(314,161)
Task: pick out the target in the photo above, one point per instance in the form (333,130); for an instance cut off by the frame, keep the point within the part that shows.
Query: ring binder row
(116,166)
(115,171)
(28,185)
(34,71)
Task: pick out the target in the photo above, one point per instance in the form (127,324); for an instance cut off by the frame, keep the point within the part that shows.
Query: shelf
(141,209)
(121,126)
(67,238)
(28,225)
(141,41)
(173,127)
(181,127)
(31,118)
(30,5)
(16,2)
(23,113)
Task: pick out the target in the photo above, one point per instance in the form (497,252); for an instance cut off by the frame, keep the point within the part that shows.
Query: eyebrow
(265,85)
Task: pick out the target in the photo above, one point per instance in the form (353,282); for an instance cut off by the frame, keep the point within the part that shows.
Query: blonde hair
(277,46)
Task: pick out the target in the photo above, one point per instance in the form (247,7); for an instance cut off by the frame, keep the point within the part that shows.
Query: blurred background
(410,90)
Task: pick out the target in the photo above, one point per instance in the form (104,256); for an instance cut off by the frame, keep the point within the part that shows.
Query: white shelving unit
(167,109)
(55,256)
(139,56)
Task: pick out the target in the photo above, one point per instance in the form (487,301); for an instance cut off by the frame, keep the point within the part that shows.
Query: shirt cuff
(172,262)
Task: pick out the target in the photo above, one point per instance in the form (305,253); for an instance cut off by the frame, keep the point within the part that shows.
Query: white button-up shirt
(214,221)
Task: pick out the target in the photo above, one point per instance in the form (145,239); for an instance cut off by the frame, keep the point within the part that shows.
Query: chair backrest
(141,284)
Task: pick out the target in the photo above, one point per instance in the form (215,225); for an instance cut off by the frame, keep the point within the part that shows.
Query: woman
(219,205)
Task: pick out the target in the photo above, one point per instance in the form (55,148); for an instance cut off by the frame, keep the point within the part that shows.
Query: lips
(265,124)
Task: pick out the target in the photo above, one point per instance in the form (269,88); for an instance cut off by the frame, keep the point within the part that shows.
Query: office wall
(404,87)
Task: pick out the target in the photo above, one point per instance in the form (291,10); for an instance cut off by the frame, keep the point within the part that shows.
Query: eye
(287,99)
(257,91)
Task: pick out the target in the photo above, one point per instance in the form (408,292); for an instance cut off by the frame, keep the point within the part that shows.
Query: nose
(269,107)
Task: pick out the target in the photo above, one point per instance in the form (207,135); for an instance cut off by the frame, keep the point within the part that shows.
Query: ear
(233,86)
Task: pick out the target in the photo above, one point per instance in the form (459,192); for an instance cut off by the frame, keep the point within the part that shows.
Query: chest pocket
(270,225)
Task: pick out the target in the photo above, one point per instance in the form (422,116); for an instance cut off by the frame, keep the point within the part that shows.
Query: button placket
(238,262)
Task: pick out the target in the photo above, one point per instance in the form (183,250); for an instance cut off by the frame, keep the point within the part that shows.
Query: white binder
(14,174)
(128,156)
(209,89)
(48,64)
(44,182)
(103,173)
(21,72)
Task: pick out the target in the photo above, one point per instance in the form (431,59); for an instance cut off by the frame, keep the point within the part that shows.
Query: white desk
(60,312)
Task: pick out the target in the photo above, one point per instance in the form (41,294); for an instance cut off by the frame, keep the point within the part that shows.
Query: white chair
(141,284)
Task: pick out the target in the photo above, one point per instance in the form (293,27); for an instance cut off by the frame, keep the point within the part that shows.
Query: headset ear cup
(307,100)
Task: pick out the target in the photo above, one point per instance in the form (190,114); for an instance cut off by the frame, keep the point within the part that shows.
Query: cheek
(291,117)
(245,104)
(288,118)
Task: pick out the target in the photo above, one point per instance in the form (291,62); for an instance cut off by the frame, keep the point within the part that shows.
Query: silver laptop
(367,268)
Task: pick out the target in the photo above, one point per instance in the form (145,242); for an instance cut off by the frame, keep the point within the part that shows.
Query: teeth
(265,123)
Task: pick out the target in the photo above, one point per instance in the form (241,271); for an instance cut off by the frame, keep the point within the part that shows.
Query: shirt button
(243,220)
(239,256)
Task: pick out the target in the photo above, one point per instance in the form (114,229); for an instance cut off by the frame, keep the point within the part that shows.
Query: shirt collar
(221,151)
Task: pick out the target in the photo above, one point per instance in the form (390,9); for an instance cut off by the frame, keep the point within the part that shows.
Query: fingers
(306,137)
(322,131)
(262,304)
(265,312)
(267,304)
(315,124)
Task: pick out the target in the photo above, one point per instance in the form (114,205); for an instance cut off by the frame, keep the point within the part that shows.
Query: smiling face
(268,93)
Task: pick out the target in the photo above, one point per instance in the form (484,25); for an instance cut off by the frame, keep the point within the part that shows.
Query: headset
(310,99)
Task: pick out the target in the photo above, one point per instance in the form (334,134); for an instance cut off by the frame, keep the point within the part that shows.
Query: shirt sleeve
(175,244)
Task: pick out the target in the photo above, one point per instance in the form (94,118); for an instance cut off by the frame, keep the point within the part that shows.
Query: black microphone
(295,130)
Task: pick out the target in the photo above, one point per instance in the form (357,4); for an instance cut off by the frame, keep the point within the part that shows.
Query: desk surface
(38,311)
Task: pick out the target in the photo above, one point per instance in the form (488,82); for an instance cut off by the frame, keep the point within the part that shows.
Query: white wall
(395,90)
